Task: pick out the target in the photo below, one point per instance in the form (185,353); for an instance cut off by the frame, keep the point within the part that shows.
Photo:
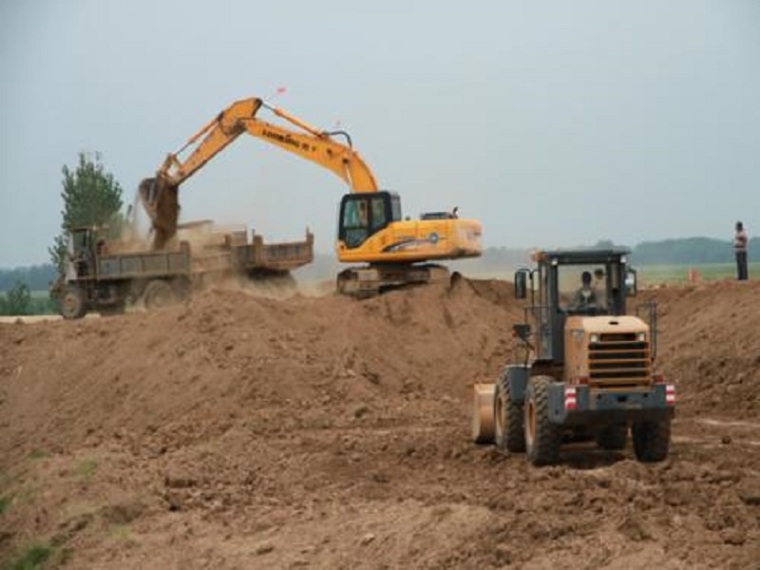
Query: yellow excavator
(371,229)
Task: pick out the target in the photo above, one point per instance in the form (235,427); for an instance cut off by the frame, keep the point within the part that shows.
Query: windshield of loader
(584,289)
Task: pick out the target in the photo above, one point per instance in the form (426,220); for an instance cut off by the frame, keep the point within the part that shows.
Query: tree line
(681,251)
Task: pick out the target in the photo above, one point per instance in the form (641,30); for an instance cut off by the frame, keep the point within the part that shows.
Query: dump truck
(587,368)
(105,275)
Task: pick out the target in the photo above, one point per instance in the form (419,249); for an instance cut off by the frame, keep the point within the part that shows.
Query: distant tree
(91,197)
(18,300)
(604,244)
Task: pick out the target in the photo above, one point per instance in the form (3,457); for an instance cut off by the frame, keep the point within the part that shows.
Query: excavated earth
(239,431)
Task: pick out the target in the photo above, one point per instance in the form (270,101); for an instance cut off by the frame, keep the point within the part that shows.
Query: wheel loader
(588,368)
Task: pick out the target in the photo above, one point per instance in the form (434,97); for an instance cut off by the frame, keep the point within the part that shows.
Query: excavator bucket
(159,198)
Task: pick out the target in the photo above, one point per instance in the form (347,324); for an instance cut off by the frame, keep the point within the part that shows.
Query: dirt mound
(212,357)
(711,345)
(238,431)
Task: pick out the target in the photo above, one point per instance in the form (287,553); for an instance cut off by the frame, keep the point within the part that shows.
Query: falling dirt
(241,431)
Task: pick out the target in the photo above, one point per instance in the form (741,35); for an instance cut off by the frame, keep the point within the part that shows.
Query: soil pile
(710,345)
(245,432)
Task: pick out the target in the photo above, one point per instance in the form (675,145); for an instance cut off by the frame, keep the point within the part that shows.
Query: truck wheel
(72,303)
(509,429)
(542,437)
(158,294)
(612,437)
(651,440)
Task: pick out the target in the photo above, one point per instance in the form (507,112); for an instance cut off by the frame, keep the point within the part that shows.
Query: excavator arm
(159,195)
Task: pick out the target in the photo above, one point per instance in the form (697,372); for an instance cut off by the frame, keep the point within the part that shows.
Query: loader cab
(572,283)
(363,214)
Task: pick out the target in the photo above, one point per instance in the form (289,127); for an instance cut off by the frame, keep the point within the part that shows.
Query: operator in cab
(585,297)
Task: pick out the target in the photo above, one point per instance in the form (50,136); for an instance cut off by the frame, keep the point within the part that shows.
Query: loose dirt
(240,431)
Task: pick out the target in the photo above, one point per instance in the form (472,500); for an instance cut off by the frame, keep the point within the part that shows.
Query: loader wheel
(509,428)
(542,437)
(72,303)
(159,294)
(612,437)
(651,440)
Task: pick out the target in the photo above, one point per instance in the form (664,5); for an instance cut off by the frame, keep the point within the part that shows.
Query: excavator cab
(363,214)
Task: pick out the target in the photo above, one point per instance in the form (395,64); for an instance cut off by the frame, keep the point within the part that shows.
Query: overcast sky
(555,123)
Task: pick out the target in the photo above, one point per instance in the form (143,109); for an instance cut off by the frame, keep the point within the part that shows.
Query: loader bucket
(482,417)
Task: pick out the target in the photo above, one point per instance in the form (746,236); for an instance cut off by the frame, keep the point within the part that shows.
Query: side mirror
(630,283)
(521,284)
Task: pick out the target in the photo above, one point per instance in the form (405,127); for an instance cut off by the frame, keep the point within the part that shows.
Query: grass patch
(32,558)
(5,480)
(5,502)
(39,454)
(651,274)
(120,532)
(86,469)
(27,496)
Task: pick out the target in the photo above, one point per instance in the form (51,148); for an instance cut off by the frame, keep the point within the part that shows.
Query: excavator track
(366,282)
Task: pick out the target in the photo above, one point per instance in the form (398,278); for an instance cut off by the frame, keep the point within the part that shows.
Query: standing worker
(740,250)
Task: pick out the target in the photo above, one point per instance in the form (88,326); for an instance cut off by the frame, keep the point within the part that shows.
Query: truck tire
(509,429)
(542,437)
(158,294)
(612,437)
(72,303)
(651,440)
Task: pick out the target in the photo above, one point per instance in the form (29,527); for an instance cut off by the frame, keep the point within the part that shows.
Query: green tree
(91,197)
(18,300)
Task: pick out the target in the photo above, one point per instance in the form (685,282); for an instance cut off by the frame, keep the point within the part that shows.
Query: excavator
(371,230)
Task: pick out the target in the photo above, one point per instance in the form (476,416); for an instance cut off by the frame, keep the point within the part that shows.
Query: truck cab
(589,363)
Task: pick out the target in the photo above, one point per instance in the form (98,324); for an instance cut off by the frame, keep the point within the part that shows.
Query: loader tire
(612,437)
(72,303)
(159,294)
(509,430)
(542,437)
(651,440)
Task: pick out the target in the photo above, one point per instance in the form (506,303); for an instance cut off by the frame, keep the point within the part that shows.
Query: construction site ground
(239,431)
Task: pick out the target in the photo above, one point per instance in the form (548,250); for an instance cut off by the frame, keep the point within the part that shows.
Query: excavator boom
(159,195)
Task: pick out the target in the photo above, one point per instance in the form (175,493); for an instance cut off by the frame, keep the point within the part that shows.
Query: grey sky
(554,123)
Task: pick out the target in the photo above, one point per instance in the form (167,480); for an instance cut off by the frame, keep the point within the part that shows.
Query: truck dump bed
(276,257)
(145,264)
